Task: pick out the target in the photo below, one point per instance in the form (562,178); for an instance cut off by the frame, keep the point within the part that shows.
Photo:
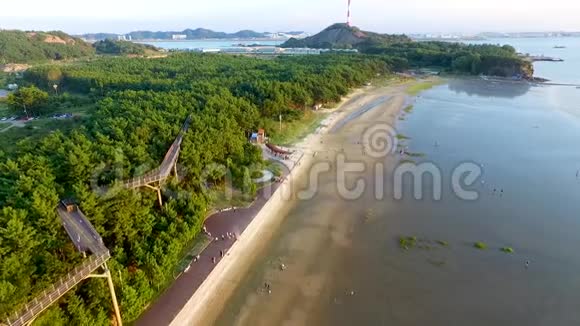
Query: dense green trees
(122,47)
(28,99)
(141,105)
(460,58)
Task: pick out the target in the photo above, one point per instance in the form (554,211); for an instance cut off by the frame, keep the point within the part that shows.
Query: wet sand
(316,232)
(207,302)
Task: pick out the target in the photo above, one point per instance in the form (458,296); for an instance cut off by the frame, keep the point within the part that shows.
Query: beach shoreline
(205,305)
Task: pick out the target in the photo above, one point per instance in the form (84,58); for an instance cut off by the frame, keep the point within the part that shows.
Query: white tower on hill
(348,18)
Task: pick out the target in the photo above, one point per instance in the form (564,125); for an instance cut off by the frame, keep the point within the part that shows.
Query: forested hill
(24,47)
(342,36)
(36,47)
(123,48)
(486,59)
(459,58)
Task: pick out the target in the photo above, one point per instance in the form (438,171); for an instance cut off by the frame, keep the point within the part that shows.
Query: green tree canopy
(28,99)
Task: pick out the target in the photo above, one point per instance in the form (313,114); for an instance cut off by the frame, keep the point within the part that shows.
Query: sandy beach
(379,104)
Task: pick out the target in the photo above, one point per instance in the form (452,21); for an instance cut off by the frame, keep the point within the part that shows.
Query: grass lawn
(294,131)
(419,87)
(221,199)
(275,167)
(388,80)
(34,130)
(79,105)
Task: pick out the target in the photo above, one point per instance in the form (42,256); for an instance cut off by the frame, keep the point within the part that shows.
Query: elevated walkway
(154,178)
(85,239)
(32,309)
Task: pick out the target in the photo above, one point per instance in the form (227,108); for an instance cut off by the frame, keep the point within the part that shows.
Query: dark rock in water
(540,80)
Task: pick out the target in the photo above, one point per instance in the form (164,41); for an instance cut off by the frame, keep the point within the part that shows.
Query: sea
(210,44)
(345,263)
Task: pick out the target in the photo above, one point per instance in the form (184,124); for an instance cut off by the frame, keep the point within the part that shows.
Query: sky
(386,16)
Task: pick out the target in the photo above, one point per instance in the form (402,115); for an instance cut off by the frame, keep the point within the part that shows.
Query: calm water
(208,44)
(345,266)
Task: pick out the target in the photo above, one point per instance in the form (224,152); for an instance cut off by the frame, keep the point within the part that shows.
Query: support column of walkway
(158,189)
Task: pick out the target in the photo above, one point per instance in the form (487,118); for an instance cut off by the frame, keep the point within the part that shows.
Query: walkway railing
(164,170)
(49,296)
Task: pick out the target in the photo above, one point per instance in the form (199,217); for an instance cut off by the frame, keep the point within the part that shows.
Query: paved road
(170,303)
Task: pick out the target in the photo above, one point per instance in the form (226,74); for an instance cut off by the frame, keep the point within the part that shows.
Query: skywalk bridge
(155,178)
(86,239)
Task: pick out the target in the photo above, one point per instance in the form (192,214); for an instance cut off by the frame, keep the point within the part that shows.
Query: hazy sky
(392,16)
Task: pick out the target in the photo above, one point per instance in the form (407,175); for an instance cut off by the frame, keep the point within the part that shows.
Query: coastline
(205,305)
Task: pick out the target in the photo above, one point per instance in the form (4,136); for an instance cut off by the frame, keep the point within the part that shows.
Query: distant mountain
(99,36)
(188,34)
(342,36)
(248,34)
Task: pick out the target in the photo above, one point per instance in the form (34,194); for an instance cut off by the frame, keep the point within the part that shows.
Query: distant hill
(189,34)
(342,36)
(123,48)
(26,47)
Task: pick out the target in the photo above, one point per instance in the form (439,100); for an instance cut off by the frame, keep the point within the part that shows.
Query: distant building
(210,50)
(301,51)
(177,37)
(237,50)
(267,50)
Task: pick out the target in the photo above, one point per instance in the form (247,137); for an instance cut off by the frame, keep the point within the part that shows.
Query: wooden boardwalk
(85,238)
